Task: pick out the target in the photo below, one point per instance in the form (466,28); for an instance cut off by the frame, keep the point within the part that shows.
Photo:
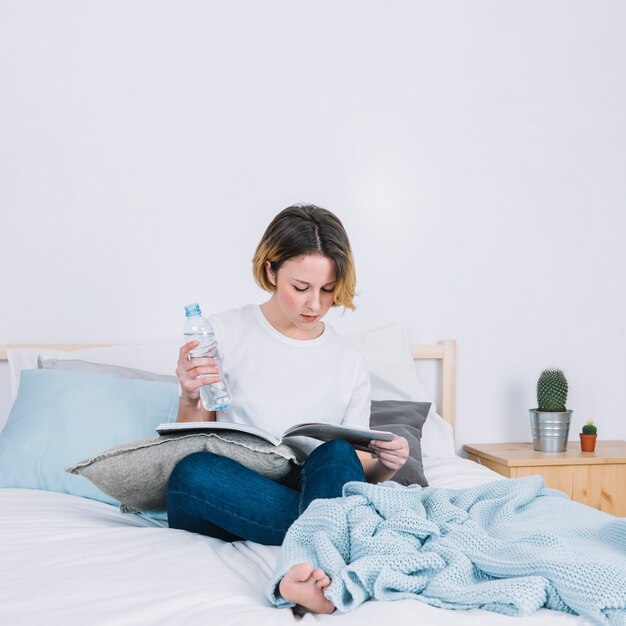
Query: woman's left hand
(392,454)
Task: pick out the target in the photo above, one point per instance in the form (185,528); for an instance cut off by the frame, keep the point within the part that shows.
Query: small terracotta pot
(587,442)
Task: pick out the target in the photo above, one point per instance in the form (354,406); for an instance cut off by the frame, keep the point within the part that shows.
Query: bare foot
(305,586)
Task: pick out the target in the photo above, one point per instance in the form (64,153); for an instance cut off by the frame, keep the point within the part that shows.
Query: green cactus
(552,391)
(589,428)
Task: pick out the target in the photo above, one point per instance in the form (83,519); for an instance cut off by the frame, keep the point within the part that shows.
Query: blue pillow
(60,417)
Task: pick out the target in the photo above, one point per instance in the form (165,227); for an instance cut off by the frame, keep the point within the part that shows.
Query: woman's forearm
(374,470)
(193,411)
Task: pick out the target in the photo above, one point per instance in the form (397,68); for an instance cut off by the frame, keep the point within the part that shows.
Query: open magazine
(358,437)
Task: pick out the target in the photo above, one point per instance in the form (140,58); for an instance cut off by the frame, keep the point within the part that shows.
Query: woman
(283,366)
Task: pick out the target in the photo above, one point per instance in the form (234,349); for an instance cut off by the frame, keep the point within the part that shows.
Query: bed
(71,559)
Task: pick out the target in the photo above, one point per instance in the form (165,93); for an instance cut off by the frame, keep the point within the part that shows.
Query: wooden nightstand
(594,478)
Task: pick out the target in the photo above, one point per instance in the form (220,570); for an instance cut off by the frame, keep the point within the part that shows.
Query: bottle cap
(191,310)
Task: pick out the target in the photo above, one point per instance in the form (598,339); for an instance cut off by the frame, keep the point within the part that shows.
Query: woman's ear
(271,276)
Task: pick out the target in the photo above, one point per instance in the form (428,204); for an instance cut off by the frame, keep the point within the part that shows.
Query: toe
(318,573)
(300,572)
(321,578)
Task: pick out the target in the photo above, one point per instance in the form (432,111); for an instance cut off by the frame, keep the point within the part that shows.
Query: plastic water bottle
(215,396)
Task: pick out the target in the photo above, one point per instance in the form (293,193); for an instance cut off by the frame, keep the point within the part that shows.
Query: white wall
(475,152)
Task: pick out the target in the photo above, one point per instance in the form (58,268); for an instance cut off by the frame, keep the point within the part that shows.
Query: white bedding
(68,560)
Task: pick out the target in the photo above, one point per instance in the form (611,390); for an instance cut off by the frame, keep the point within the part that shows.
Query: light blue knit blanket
(511,546)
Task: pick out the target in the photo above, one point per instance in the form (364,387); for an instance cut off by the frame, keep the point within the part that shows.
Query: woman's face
(304,289)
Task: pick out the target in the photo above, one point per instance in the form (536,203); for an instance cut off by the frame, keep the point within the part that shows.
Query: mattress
(69,560)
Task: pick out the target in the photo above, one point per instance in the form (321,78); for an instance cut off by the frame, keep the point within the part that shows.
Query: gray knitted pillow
(137,473)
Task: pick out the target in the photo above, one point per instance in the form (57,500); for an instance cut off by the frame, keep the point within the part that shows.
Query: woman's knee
(195,467)
(335,451)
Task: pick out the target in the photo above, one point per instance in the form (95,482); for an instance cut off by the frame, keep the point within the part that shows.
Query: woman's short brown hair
(307,229)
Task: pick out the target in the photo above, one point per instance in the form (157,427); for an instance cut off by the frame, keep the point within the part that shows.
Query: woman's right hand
(188,369)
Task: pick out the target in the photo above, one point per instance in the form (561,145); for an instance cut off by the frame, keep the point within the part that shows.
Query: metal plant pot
(550,430)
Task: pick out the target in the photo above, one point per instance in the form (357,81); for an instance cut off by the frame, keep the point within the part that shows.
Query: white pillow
(387,351)
(437,436)
(159,357)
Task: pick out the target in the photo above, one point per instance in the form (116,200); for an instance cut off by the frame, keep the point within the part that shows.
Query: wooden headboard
(445,351)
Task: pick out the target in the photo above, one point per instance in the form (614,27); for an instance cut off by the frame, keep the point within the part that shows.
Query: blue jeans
(216,496)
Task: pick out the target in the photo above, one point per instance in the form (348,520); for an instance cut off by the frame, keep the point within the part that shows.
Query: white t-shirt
(276,381)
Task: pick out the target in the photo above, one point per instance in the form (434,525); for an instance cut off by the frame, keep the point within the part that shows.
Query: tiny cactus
(552,391)
(589,428)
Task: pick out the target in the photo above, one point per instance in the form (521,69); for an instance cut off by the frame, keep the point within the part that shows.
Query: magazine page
(358,437)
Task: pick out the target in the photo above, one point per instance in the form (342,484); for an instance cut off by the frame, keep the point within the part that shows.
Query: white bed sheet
(67,560)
